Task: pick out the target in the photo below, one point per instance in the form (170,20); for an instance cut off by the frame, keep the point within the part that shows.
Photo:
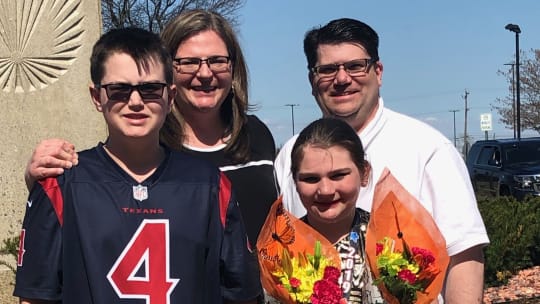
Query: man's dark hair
(341,31)
(142,45)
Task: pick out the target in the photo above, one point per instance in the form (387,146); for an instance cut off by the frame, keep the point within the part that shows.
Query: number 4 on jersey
(149,247)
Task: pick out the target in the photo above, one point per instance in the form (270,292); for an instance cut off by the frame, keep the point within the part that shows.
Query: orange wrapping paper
(391,203)
(295,236)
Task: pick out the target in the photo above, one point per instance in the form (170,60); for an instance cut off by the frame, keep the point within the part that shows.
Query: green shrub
(513,231)
(10,247)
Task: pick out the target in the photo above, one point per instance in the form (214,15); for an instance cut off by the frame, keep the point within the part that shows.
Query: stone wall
(45,47)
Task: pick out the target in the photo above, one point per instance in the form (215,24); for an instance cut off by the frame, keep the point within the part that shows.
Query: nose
(204,70)
(135,99)
(342,77)
(325,187)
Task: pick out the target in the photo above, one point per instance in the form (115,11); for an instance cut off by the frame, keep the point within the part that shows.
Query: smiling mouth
(346,93)
(135,116)
(204,89)
(326,204)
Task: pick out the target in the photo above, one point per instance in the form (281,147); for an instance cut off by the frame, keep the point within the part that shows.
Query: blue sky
(431,51)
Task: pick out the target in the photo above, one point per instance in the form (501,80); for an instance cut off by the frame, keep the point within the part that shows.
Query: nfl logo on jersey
(140,193)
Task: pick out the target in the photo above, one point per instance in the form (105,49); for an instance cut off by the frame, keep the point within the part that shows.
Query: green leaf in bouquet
(286,263)
(317,256)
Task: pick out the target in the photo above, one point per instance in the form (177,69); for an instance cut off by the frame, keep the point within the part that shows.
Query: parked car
(505,167)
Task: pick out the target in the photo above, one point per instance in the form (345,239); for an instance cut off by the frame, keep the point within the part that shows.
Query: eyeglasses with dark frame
(191,65)
(357,67)
(122,91)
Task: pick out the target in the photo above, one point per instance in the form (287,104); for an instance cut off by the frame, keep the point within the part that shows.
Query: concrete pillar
(45,46)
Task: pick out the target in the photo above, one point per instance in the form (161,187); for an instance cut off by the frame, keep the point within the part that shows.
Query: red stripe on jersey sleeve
(224,197)
(53,191)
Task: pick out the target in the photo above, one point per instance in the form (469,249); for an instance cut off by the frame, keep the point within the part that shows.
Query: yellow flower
(413,268)
(305,268)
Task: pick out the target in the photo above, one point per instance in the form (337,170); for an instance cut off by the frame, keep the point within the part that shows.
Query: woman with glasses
(209,118)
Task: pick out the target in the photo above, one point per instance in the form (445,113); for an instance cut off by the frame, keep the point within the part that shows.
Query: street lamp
(515,28)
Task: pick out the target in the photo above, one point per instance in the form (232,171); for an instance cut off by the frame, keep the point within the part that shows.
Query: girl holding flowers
(329,169)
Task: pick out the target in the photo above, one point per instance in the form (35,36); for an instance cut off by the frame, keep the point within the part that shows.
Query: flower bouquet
(309,278)
(404,274)
(297,264)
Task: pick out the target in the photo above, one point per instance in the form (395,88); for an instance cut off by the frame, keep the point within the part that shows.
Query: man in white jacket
(345,74)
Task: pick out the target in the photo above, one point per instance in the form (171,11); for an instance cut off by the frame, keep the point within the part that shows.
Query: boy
(134,222)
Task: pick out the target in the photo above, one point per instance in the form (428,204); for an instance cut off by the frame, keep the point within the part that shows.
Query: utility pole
(513,97)
(454,111)
(465,136)
(292,114)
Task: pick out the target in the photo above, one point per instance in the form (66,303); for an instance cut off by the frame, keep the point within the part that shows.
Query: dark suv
(505,167)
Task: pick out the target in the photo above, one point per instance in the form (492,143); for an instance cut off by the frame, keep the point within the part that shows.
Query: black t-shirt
(253,181)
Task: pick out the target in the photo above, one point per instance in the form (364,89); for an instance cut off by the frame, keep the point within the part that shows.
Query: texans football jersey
(95,235)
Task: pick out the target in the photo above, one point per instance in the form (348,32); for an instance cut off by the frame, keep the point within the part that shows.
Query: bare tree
(154,14)
(529,76)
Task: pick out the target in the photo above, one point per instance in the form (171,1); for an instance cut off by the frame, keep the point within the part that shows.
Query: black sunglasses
(122,91)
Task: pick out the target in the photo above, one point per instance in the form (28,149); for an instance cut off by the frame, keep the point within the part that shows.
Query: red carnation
(378,248)
(423,257)
(407,276)
(331,273)
(295,283)
(326,292)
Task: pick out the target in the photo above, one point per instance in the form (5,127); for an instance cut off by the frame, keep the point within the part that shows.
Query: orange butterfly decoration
(283,231)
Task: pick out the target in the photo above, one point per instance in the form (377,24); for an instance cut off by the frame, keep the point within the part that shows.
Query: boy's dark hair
(341,31)
(143,46)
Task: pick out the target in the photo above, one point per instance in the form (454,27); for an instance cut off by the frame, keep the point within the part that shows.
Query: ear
(171,95)
(95,94)
(366,174)
(311,77)
(379,72)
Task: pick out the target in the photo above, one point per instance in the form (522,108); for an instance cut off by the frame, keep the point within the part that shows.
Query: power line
(466,142)
(292,114)
(455,141)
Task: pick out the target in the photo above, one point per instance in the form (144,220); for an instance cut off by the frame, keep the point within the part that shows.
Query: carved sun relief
(39,41)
